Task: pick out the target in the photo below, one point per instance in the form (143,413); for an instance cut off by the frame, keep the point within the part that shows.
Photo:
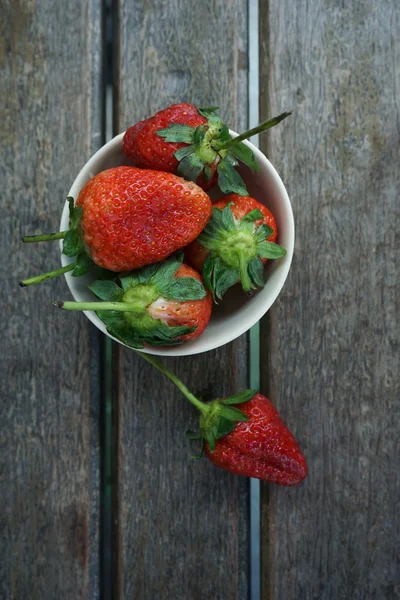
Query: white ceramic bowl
(237,312)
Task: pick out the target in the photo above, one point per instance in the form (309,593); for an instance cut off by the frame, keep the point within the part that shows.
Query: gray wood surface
(49,375)
(182,525)
(331,342)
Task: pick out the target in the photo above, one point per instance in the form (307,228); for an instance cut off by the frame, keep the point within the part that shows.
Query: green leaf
(225,279)
(239,398)
(112,319)
(207,271)
(208,110)
(224,427)
(199,133)
(232,414)
(253,215)
(185,151)
(224,135)
(124,335)
(211,441)
(83,262)
(166,270)
(190,167)
(230,159)
(217,276)
(229,180)
(216,218)
(207,173)
(71,205)
(183,288)
(245,155)
(227,218)
(101,273)
(177,133)
(75,213)
(263,232)
(106,290)
(164,335)
(212,118)
(270,250)
(76,217)
(73,243)
(255,270)
(139,276)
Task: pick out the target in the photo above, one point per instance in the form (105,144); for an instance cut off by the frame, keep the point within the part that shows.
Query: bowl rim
(189,348)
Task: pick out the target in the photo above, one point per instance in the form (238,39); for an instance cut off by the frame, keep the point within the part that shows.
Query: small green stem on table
(46,276)
(261,127)
(46,237)
(179,384)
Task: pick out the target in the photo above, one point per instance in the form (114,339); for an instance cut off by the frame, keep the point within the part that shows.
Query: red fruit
(191,313)
(193,143)
(134,217)
(148,150)
(161,304)
(261,447)
(236,243)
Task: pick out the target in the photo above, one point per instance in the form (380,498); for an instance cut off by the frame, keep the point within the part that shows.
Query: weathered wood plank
(332,354)
(51,98)
(182,525)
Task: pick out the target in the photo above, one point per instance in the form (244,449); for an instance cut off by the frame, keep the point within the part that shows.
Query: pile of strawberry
(162,254)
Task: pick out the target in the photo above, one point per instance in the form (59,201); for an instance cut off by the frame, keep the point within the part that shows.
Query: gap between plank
(254,353)
(106,592)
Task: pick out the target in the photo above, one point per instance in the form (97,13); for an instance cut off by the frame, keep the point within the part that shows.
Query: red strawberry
(261,447)
(195,143)
(129,218)
(236,243)
(134,217)
(162,304)
(148,150)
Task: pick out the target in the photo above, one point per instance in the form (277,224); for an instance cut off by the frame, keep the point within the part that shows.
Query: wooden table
(88,512)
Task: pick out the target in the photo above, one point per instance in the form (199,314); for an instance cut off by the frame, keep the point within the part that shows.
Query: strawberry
(134,217)
(162,304)
(252,441)
(126,218)
(194,143)
(261,447)
(236,243)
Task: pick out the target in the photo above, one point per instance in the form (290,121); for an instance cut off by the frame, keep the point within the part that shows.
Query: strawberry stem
(46,276)
(244,276)
(261,127)
(45,237)
(117,306)
(179,384)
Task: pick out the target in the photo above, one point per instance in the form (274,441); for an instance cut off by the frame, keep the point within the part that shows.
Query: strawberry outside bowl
(237,312)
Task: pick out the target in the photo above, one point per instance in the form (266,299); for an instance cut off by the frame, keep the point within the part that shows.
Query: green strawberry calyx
(236,249)
(211,146)
(220,418)
(124,306)
(73,246)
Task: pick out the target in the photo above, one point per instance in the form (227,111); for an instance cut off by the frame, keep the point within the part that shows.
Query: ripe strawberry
(236,243)
(194,143)
(261,447)
(161,304)
(129,218)
(134,217)
(252,441)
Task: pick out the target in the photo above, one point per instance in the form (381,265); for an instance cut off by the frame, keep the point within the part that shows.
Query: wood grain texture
(182,525)
(333,353)
(51,91)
